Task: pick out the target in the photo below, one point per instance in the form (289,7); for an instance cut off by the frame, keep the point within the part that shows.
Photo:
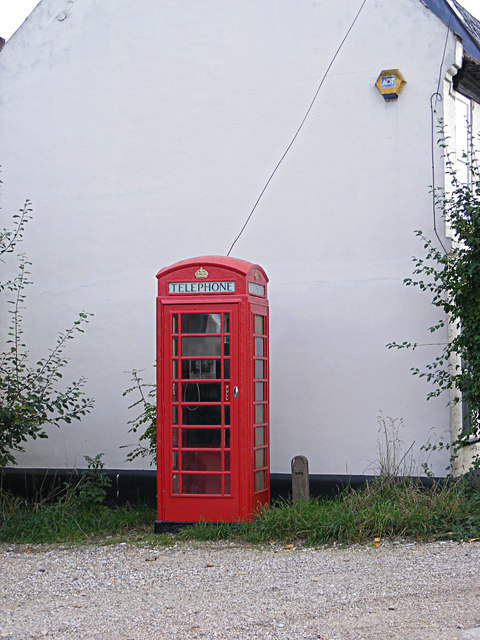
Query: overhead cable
(299,128)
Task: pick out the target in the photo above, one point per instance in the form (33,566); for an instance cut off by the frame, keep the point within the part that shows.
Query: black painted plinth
(162,526)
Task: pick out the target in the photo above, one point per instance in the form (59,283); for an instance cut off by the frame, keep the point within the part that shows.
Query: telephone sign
(212,391)
(201,287)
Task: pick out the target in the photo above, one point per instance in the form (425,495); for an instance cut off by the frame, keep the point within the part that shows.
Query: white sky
(14,12)
(472,6)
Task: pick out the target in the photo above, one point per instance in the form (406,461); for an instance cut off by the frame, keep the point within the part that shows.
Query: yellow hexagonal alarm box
(390,83)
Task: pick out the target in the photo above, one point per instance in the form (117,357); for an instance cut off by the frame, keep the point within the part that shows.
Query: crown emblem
(201,273)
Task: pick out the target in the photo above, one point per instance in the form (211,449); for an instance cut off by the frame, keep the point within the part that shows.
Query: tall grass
(387,507)
(393,505)
(67,518)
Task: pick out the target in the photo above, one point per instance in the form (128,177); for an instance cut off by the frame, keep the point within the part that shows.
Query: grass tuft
(68,518)
(386,508)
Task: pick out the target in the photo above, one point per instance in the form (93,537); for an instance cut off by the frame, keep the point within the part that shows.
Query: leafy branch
(146,420)
(453,281)
(31,397)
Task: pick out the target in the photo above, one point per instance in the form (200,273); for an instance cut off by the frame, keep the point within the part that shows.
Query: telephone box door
(198,440)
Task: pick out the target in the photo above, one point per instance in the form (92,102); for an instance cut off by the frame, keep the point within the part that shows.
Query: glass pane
(226,323)
(175,483)
(259,369)
(202,346)
(201,414)
(259,480)
(227,460)
(175,437)
(174,460)
(259,413)
(227,484)
(175,414)
(174,391)
(200,369)
(227,438)
(201,323)
(202,483)
(259,347)
(226,345)
(259,458)
(202,438)
(226,368)
(227,414)
(175,324)
(201,460)
(259,324)
(256,289)
(259,436)
(259,391)
(174,346)
(174,368)
(201,392)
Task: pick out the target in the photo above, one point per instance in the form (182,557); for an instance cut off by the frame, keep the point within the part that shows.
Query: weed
(93,485)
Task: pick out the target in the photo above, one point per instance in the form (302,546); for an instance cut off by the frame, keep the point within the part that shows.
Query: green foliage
(146,421)
(394,504)
(453,281)
(94,484)
(68,518)
(71,512)
(9,238)
(31,395)
(386,508)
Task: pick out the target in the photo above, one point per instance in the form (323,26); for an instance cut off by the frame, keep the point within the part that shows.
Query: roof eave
(467,80)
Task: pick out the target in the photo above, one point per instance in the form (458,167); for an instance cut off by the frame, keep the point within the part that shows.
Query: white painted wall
(144,132)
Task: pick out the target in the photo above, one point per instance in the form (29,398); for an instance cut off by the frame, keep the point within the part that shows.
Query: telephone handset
(201,369)
(197,370)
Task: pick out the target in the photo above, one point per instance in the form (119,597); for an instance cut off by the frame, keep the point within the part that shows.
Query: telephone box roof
(233,264)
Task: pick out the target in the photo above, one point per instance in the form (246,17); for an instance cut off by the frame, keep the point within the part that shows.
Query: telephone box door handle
(235,392)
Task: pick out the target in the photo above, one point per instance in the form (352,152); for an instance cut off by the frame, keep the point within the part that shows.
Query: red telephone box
(212,398)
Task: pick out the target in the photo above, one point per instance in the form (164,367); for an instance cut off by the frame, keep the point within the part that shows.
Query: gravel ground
(225,590)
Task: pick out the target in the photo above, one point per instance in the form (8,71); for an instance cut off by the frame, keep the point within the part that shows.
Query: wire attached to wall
(433,106)
(437,97)
(299,128)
